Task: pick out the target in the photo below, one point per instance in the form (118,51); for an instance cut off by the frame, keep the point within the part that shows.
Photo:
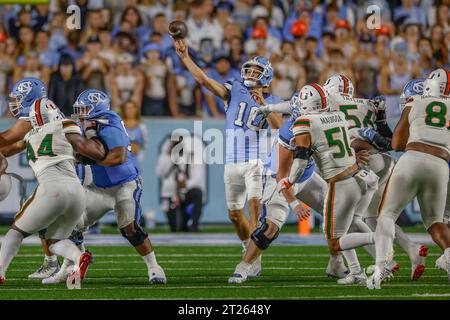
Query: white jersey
(329,140)
(360,113)
(47,147)
(429,121)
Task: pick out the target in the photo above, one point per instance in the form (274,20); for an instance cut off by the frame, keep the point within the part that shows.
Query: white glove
(264,110)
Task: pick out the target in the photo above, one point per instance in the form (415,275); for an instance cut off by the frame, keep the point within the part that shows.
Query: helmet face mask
(257,72)
(89,104)
(24,93)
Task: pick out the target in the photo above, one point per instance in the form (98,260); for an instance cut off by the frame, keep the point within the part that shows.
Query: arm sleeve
(301,125)
(281,107)
(69,126)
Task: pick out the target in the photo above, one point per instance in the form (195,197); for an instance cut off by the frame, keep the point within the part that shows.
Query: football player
(22,96)
(245,132)
(323,135)
(309,188)
(423,132)
(58,201)
(116,180)
(364,116)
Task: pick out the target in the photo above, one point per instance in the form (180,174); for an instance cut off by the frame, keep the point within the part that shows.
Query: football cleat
(2,276)
(62,275)
(393,266)
(353,278)
(337,268)
(447,259)
(47,269)
(255,268)
(156,275)
(76,277)
(418,262)
(441,263)
(240,273)
(378,277)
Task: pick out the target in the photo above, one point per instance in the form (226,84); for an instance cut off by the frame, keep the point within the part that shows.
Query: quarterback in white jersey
(58,201)
(323,135)
(364,117)
(423,131)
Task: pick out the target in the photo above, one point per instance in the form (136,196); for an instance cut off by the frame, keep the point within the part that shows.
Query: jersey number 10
(251,117)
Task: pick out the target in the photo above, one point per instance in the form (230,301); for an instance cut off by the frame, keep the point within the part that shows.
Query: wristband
(294,203)
(91,133)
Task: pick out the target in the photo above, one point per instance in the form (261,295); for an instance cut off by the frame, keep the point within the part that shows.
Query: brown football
(178,30)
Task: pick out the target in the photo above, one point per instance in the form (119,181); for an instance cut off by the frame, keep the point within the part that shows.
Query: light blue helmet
(24,93)
(257,72)
(90,104)
(412,88)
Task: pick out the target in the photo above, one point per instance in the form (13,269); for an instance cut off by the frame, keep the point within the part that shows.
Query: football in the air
(178,30)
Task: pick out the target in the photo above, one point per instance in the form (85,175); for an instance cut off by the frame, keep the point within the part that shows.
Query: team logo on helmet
(95,98)
(25,87)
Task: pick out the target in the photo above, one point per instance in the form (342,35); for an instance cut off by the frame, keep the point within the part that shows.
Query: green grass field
(201,272)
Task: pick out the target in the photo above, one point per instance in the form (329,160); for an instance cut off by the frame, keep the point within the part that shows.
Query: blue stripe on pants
(137,194)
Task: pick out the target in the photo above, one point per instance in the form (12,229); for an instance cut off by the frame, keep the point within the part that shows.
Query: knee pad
(42,233)
(260,239)
(137,238)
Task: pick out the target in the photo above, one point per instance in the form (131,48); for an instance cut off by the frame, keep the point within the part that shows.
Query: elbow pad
(303,153)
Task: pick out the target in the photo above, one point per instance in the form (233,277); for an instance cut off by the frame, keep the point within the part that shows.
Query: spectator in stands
(160,25)
(132,16)
(65,85)
(94,24)
(312,64)
(6,68)
(73,47)
(366,67)
(155,74)
(31,68)
(47,57)
(266,8)
(26,40)
(442,14)
(200,27)
(125,82)
(222,72)
(15,23)
(412,35)
(289,74)
(237,54)
(344,38)
(40,17)
(92,67)
(57,39)
(426,60)
(108,53)
(136,130)
(337,65)
(410,12)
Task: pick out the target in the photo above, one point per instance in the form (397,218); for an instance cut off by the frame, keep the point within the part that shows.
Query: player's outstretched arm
(281,107)
(199,75)
(16,133)
(90,148)
(3,164)
(114,157)
(13,148)
(401,131)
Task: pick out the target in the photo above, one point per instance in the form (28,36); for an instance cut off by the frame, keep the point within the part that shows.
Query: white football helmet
(312,98)
(5,186)
(44,111)
(339,83)
(437,83)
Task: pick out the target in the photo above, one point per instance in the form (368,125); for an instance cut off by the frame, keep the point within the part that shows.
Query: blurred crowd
(123,47)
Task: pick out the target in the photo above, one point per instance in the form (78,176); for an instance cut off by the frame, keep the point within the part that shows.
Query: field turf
(201,272)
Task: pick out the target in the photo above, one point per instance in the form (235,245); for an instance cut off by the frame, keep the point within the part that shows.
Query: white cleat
(240,274)
(156,275)
(47,269)
(79,271)
(2,276)
(62,275)
(337,269)
(354,278)
(447,260)
(255,269)
(378,277)
(441,263)
(418,262)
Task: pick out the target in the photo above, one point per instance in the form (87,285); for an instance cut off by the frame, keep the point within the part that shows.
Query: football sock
(355,240)
(352,260)
(361,226)
(384,238)
(245,244)
(10,246)
(150,259)
(404,241)
(66,249)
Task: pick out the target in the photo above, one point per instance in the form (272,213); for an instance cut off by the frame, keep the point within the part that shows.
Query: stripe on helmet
(321,93)
(346,86)
(38,112)
(447,88)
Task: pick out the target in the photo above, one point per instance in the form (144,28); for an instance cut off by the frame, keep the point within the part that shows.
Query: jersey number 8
(436,115)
